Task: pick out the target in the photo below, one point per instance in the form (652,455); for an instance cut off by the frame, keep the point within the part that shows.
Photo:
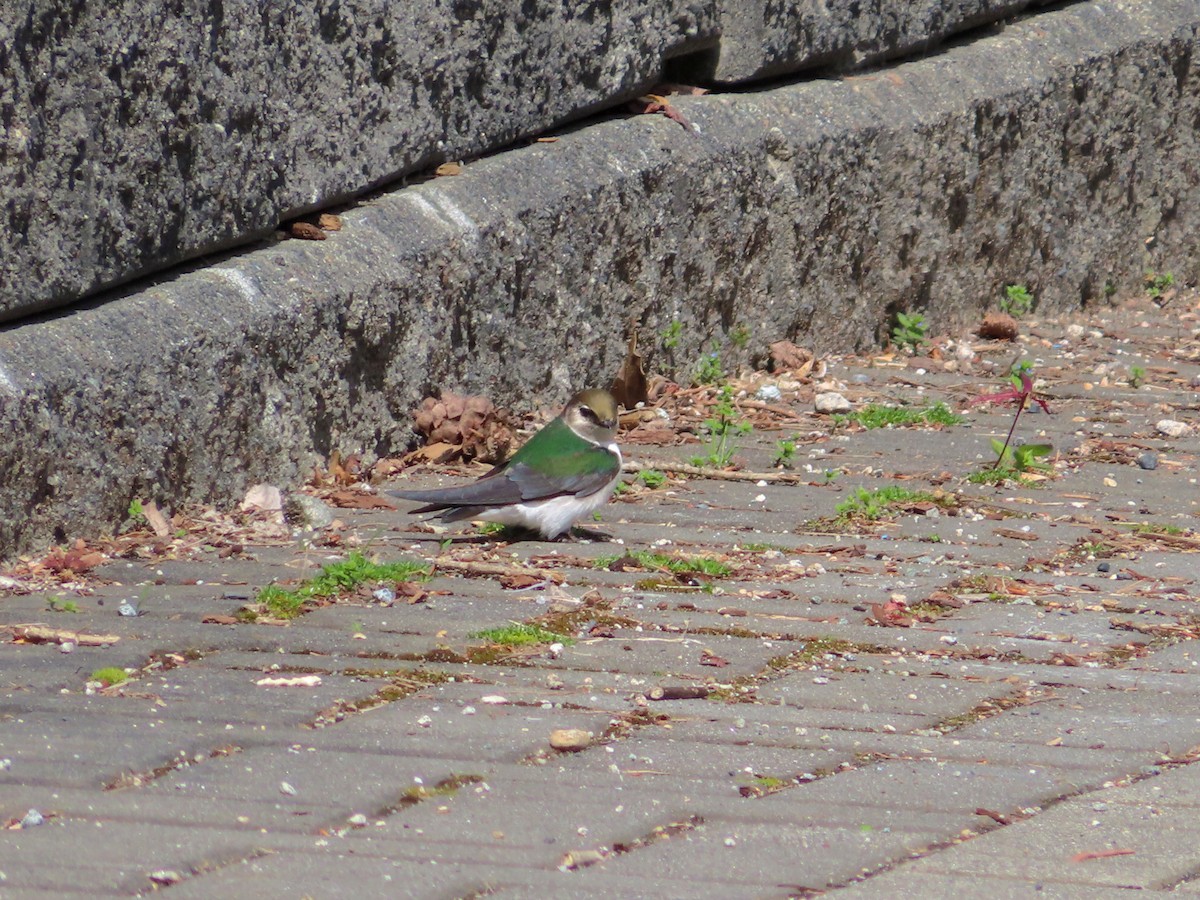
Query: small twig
(1101,854)
(43,634)
(483,568)
(678,692)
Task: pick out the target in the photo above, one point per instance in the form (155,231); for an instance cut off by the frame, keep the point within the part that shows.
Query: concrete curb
(810,211)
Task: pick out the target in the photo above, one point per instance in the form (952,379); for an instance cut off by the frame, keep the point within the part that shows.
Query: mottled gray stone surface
(762,38)
(136,135)
(810,211)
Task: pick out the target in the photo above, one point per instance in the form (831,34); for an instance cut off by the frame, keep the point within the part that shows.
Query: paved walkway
(1023,724)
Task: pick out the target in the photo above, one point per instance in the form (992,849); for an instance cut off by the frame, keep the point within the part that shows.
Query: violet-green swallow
(565,471)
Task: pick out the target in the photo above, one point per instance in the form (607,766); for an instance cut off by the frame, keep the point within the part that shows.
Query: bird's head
(592,414)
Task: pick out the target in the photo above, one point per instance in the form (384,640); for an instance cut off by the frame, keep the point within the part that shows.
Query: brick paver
(1051,711)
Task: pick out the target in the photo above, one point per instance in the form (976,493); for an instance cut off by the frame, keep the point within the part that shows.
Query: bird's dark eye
(588,414)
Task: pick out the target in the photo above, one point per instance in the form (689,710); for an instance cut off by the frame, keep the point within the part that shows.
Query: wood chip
(570,740)
(44,634)
(296,681)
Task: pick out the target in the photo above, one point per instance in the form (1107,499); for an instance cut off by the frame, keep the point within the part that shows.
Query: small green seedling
(909,331)
(876,415)
(1156,285)
(336,578)
(110,675)
(669,339)
(710,370)
(740,336)
(785,454)
(652,478)
(519,634)
(872,505)
(62,606)
(1017,301)
(1020,394)
(1137,376)
(700,565)
(1022,457)
(724,427)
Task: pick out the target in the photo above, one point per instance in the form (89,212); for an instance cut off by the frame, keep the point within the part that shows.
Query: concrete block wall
(137,135)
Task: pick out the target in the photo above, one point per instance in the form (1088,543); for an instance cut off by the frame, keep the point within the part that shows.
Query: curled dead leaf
(306,231)
(786,356)
(629,388)
(78,559)
(656,103)
(357,500)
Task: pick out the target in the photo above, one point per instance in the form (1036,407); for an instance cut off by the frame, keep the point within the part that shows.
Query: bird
(564,472)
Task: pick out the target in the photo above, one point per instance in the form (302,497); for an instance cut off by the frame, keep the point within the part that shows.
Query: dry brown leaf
(344,472)
(441,452)
(656,103)
(357,500)
(448,168)
(306,231)
(219,620)
(77,559)
(519,581)
(786,356)
(410,591)
(329,222)
(629,388)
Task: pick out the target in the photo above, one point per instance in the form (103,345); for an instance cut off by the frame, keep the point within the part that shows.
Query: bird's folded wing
(582,472)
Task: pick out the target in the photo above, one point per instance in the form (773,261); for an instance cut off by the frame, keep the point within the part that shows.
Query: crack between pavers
(184,761)
(1022,814)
